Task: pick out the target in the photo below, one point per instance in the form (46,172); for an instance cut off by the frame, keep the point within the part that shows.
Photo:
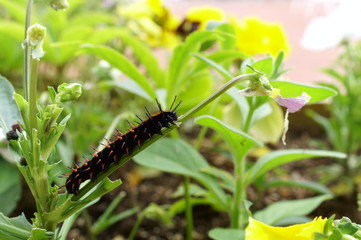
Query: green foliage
(340,229)
(342,127)
(10,188)
(279,211)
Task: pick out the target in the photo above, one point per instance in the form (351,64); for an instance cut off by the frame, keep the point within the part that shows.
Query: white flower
(35,36)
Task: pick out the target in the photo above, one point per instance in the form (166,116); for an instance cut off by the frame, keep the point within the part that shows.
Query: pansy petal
(257,230)
(293,104)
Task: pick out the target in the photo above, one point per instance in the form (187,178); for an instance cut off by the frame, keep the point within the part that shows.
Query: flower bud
(35,36)
(68,92)
(59,4)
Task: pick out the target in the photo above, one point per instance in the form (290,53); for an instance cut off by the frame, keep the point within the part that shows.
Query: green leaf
(176,156)
(181,55)
(239,143)
(215,65)
(314,186)
(264,65)
(291,89)
(277,66)
(15,9)
(9,111)
(228,181)
(38,234)
(277,158)
(10,187)
(226,234)
(278,211)
(119,61)
(14,228)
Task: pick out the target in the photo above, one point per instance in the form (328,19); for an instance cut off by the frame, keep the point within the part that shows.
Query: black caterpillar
(123,144)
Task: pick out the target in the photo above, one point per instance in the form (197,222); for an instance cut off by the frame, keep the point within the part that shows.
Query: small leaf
(264,65)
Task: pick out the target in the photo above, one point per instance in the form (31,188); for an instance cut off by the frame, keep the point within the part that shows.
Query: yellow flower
(260,231)
(203,15)
(255,36)
(152,22)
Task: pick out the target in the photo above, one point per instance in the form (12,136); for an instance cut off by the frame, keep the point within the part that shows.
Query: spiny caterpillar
(123,144)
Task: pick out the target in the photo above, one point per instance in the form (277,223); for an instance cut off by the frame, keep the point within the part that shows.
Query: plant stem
(27,51)
(188,211)
(33,95)
(136,226)
(239,195)
(224,88)
(247,124)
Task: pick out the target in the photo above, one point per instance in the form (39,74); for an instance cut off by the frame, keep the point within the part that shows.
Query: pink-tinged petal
(293,104)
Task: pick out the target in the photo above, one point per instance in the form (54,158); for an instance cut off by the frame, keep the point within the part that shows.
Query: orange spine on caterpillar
(122,145)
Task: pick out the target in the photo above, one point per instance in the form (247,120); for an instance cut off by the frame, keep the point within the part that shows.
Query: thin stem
(136,226)
(188,211)
(224,88)
(33,95)
(247,124)
(27,51)
(239,195)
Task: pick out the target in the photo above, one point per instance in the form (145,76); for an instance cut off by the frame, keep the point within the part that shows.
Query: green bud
(68,92)
(59,4)
(35,36)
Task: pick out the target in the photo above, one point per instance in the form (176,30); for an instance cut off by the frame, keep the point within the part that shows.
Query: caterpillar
(123,144)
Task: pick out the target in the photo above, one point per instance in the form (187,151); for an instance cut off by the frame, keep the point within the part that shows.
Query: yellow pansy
(255,36)
(259,231)
(152,22)
(203,15)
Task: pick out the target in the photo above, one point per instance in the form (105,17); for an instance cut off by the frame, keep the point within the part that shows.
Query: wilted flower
(259,231)
(68,92)
(255,36)
(262,87)
(59,4)
(35,36)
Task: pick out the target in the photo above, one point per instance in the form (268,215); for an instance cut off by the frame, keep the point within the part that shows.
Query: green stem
(239,195)
(247,124)
(136,226)
(188,206)
(27,51)
(224,88)
(33,95)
